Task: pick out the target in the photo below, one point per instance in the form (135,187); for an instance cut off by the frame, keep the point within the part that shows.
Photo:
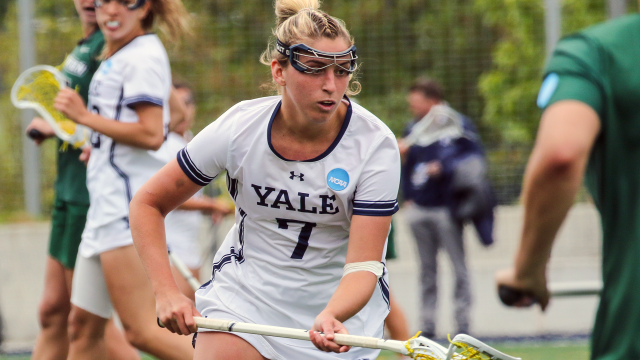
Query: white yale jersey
(283,259)
(137,73)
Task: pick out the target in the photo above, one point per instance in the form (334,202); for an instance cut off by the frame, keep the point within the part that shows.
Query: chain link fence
(488,55)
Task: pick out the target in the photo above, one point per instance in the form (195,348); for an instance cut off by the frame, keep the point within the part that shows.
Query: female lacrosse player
(127,112)
(293,165)
(70,209)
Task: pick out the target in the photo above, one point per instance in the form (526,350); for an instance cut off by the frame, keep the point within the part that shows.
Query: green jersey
(79,67)
(599,67)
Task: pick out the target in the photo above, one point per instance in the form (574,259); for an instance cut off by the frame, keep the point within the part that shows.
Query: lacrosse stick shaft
(184,271)
(298,334)
(583,288)
(425,346)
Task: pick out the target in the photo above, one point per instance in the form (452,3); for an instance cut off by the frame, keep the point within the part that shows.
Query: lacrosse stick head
(421,348)
(465,347)
(36,88)
(440,123)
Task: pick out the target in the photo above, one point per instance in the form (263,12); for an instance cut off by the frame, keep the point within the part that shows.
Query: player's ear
(144,10)
(277,71)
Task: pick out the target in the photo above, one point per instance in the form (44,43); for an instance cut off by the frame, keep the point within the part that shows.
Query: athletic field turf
(541,351)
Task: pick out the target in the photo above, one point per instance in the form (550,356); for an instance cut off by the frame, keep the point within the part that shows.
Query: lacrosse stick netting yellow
(37,88)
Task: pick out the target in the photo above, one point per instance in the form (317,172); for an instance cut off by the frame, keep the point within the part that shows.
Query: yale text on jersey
(280,199)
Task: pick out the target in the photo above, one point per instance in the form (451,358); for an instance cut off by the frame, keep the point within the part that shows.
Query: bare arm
(366,243)
(166,190)
(177,110)
(568,130)
(147,133)
(205,204)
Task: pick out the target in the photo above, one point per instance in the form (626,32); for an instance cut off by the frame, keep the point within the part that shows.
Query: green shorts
(391,244)
(67,224)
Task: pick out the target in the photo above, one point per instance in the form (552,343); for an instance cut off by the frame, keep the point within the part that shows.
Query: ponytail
(173,18)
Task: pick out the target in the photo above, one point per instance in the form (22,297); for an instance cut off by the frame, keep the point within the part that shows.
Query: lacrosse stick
(441,122)
(36,88)
(463,347)
(510,296)
(578,288)
(184,271)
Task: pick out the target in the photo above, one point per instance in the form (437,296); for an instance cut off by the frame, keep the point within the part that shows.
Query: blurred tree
(511,86)
(4,7)
(509,89)
(488,54)
(57,31)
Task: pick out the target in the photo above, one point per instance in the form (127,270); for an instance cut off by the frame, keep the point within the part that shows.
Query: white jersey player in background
(128,113)
(314,179)
(182,225)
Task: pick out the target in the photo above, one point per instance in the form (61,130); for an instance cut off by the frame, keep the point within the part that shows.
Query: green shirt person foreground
(71,195)
(600,67)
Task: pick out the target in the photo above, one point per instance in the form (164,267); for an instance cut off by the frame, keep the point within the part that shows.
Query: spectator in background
(182,225)
(444,184)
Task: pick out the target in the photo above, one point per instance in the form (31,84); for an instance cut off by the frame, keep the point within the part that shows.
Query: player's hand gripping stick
(514,297)
(35,134)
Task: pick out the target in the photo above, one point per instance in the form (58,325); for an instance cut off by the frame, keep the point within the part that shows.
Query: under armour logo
(293,175)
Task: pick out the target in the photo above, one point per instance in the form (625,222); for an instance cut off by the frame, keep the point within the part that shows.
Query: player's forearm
(352,294)
(203,204)
(548,194)
(177,110)
(133,134)
(567,132)
(147,229)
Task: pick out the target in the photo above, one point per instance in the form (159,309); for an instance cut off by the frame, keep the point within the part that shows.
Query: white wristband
(375,267)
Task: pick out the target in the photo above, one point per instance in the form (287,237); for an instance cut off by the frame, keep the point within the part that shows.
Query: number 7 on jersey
(303,238)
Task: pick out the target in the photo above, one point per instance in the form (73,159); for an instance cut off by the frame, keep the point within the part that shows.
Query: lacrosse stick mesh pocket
(41,87)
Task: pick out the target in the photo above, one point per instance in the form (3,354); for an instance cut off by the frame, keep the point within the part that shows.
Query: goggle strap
(282,48)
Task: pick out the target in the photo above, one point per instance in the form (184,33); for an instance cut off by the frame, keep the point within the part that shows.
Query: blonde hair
(173,18)
(297,20)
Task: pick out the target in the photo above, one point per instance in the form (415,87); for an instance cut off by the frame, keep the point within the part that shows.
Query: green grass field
(540,351)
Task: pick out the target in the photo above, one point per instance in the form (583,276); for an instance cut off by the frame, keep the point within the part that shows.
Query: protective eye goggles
(296,53)
(129,4)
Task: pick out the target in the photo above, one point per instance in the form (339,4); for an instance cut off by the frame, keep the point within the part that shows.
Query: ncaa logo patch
(106,66)
(338,179)
(549,86)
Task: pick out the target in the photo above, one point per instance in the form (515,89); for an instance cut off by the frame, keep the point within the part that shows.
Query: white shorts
(188,251)
(182,228)
(270,347)
(89,291)
(98,239)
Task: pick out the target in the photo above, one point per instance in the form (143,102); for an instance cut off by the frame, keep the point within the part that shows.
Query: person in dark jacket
(444,184)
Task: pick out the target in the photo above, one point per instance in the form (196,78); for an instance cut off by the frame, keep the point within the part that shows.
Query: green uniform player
(590,100)
(71,202)
(70,211)
(72,198)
